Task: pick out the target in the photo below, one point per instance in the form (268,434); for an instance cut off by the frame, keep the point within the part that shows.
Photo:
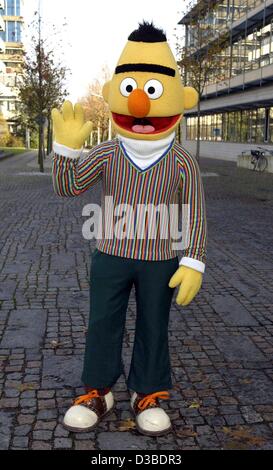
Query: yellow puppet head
(146,96)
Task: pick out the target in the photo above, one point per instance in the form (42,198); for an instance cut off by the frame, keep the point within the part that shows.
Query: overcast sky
(96,34)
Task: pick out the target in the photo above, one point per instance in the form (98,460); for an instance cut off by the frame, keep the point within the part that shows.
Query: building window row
(12,8)
(242,126)
(249,53)
(10,106)
(220,16)
(13,32)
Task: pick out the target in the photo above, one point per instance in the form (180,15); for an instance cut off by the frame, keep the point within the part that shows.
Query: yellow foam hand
(69,126)
(190,282)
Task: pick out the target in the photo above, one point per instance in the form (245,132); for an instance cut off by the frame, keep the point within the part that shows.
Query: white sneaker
(151,420)
(87,411)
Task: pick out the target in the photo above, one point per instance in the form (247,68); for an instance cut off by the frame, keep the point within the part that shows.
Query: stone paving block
(29,326)
(124,441)
(42,435)
(85,445)
(6,419)
(7,289)
(63,281)
(250,288)
(79,299)
(251,387)
(62,371)
(232,311)
(40,445)
(239,348)
(62,443)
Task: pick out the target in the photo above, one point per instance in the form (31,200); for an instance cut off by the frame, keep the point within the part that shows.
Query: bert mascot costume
(144,166)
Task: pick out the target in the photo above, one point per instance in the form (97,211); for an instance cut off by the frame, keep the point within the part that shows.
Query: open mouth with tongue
(150,125)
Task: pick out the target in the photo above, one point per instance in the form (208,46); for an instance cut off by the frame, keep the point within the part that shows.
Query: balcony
(252,18)
(248,79)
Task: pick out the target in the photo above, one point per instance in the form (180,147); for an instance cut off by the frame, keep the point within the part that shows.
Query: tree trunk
(198,133)
(179,137)
(40,151)
(49,136)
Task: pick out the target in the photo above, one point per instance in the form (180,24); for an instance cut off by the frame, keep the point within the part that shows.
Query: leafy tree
(201,56)
(96,110)
(41,87)
(4,132)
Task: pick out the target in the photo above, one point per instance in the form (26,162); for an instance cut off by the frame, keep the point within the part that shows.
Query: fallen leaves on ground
(126,425)
(186,432)
(195,404)
(57,344)
(242,437)
(245,381)
(25,387)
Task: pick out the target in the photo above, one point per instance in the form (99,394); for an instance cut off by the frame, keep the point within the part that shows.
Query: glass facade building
(246,68)
(242,126)
(219,15)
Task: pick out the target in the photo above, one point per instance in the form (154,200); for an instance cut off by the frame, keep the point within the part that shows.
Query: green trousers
(111,281)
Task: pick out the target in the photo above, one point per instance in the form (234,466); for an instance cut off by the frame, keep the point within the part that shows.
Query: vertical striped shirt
(176,173)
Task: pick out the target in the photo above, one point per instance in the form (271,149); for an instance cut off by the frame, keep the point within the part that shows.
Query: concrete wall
(244,161)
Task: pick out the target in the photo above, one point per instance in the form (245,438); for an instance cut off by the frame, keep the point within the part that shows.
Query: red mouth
(150,125)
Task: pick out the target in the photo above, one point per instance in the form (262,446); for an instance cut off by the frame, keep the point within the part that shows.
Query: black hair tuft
(147,32)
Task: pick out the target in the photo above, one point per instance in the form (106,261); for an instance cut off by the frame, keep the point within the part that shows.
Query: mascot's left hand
(190,282)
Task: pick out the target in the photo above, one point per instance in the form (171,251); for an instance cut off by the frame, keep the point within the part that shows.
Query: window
(234,126)
(18,7)
(271,125)
(244,126)
(260,125)
(11,106)
(10,7)
(253,126)
(13,7)
(11,31)
(14,29)
(18,31)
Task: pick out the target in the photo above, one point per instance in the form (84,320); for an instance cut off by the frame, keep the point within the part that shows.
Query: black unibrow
(154,68)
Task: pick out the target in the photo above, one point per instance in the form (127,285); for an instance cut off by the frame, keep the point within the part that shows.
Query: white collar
(146,152)
(142,149)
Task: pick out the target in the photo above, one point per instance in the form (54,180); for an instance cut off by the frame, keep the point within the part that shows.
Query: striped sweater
(175,173)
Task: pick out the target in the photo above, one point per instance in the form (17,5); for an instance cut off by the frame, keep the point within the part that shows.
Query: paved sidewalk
(221,345)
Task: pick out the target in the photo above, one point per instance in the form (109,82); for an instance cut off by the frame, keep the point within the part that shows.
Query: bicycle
(259,160)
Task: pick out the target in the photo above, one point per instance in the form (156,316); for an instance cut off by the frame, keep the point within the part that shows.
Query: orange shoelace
(151,399)
(87,397)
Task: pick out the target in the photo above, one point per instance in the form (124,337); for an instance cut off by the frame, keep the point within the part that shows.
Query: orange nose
(139,104)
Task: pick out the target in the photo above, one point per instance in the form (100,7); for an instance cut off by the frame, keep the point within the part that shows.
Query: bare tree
(41,86)
(200,56)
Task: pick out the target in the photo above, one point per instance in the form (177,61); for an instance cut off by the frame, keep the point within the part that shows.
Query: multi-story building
(236,107)
(11,57)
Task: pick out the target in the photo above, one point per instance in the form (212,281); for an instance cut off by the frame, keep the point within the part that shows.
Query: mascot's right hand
(69,126)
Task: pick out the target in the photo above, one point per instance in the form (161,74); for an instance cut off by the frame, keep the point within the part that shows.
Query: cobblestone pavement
(221,345)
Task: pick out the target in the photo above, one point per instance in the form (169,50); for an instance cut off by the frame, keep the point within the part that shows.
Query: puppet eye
(127,86)
(154,89)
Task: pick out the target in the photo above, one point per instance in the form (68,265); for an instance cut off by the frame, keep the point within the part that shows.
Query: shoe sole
(78,430)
